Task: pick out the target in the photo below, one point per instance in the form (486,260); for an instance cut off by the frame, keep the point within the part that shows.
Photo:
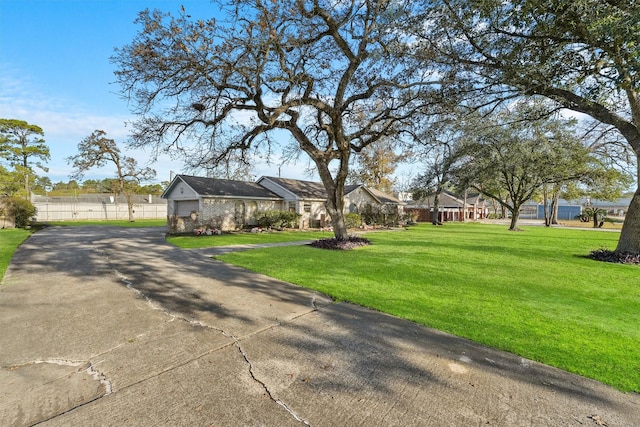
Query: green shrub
(373,215)
(352,220)
(411,217)
(278,219)
(20,209)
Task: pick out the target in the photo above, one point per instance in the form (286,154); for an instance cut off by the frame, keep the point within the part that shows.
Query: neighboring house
(361,198)
(450,208)
(196,202)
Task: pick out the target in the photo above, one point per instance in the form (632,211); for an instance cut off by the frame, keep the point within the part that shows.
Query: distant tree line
(44,187)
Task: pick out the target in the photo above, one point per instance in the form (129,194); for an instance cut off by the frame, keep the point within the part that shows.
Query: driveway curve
(113,326)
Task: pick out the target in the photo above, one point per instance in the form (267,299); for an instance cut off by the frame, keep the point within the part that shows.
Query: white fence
(97,207)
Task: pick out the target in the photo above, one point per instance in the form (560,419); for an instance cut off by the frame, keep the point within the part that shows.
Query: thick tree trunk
(435,218)
(630,236)
(515,215)
(335,191)
(337,221)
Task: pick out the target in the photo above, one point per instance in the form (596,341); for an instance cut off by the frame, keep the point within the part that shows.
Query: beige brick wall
(224,214)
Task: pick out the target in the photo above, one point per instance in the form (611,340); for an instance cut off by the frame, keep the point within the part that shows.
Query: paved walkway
(112,326)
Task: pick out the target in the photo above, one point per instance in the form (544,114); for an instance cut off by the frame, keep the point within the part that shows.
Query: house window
(292,207)
(307,207)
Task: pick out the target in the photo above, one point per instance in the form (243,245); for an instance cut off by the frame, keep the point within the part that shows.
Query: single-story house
(196,202)
(450,208)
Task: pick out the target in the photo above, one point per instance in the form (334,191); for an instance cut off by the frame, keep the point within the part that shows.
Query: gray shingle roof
(309,190)
(384,197)
(226,187)
(302,189)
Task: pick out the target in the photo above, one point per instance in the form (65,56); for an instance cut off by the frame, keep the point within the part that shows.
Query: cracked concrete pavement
(113,326)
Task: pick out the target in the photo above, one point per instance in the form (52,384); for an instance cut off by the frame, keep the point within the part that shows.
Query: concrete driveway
(112,326)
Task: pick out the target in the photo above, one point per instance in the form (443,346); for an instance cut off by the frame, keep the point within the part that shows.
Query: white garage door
(185,207)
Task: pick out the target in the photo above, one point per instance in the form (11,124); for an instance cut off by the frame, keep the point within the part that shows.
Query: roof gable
(301,189)
(384,198)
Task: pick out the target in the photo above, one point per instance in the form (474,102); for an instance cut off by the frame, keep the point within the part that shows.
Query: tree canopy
(582,54)
(334,77)
(23,146)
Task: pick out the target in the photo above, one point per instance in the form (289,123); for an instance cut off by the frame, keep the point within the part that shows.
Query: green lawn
(533,293)
(230,239)
(10,239)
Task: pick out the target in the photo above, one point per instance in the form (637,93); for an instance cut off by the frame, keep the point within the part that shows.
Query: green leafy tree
(66,188)
(42,185)
(334,76)
(582,54)
(519,156)
(10,181)
(23,146)
(97,150)
(376,164)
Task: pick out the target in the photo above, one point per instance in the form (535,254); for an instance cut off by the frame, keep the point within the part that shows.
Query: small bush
(612,256)
(374,215)
(352,220)
(349,243)
(20,209)
(278,219)
(410,217)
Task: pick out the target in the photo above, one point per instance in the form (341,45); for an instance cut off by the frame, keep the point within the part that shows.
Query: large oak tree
(332,76)
(582,54)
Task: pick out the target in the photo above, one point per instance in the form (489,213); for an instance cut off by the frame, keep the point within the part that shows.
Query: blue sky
(55,73)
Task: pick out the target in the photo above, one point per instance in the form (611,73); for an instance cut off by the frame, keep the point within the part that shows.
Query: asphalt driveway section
(113,326)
